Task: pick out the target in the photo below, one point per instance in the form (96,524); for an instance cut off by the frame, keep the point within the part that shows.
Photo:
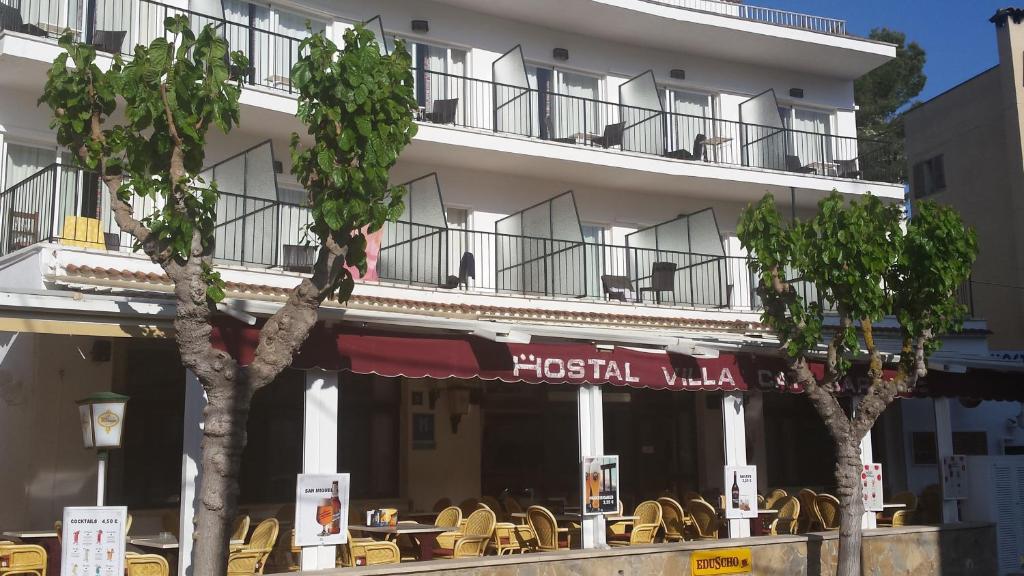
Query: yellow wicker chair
(673,519)
(23,559)
(146,565)
(241,528)
(468,506)
(705,521)
(523,534)
(774,498)
(827,511)
(359,552)
(548,536)
(900,517)
(252,557)
(58,527)
(648,521)
(475,536)
(808,518)
(495,506)
(450,516)
(788,519)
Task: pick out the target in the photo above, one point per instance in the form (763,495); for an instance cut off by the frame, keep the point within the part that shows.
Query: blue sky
(955,34)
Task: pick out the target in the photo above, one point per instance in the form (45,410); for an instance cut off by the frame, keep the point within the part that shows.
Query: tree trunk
(851,505)
(224,436)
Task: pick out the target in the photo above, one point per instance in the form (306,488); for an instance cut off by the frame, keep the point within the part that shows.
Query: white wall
(45,467)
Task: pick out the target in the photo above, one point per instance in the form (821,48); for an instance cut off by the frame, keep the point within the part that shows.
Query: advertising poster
(321,509)
(740,492)
(93,541)
(601,485)
(871,487)
(954,477)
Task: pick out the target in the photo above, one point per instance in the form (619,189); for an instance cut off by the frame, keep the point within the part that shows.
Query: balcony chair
(548,536)
(612,135)
(699,150)
(299,258)
(617,287)
(673,519)
(23,559)
(793,164)
(663,279)
(360,552)
(826,510)
(475,536)
(145,565)
(109,40)
(10,19)
(549,131)
(23,229)
(705,521)
(444,111)
(787,521)
(848,169)
(467,270)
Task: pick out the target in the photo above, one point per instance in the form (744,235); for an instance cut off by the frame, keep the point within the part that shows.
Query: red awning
(440,356)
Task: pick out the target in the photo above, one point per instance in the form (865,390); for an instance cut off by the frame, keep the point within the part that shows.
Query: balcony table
(424,534)
(47,539)
(825,168)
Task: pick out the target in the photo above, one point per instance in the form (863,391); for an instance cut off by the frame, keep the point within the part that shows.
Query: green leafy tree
(142,126)
(882,96)
(866,267)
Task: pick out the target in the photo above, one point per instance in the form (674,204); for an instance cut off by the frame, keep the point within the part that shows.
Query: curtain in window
(32,198)
(691,112)
(593,236)
(810,140)
(574,109)
(291,28)
(236,30)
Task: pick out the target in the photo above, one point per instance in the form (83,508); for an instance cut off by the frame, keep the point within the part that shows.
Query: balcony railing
(117,26)
(49,206)
(760,14)
(447,99)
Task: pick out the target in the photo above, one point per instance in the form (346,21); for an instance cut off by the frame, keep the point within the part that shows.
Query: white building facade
(593,159)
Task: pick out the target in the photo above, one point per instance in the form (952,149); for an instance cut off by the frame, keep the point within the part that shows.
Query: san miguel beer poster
(601,485)
(321,509)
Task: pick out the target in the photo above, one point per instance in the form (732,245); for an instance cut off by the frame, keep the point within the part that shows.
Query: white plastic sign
(93,540)
(740,492)
(871,487)
(954,477)
(321,509)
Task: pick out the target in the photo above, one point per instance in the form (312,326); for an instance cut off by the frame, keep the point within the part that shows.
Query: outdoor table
(717,140)
(47,539)
(164,541)
(825,168)
(894,506)
(757,525)
(425,534)
(615,518)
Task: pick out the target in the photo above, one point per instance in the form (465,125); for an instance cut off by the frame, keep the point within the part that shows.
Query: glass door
(440,76)
(567,108)
(594,245)
(691,117)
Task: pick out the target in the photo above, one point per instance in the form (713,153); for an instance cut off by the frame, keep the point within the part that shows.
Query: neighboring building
(964,148)
(663,119)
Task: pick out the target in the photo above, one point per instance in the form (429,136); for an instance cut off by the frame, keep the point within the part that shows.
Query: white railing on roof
(759,14)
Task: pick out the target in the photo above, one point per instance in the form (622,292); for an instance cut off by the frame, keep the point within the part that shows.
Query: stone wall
(966,549)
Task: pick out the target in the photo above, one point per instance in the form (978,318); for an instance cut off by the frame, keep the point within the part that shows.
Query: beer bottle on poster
(735,492)
(335,509)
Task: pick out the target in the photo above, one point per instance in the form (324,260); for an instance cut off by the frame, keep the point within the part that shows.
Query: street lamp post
(102,419)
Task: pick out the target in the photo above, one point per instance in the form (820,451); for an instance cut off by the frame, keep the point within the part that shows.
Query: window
(567,103)
(691,115)
(594,236)
(808,137)
(271,44)
(459,241)
(440,74)
(929,177)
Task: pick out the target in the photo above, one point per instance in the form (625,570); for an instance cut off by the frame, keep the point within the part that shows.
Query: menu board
(321,509)
(954,477)
(740,492)
(871,487)
(92,541)
(601,485)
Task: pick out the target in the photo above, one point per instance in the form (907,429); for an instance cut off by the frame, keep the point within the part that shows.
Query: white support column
(867,456)
(320,446)
(591,429)
(191,471)
(734,439)
(943,450)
